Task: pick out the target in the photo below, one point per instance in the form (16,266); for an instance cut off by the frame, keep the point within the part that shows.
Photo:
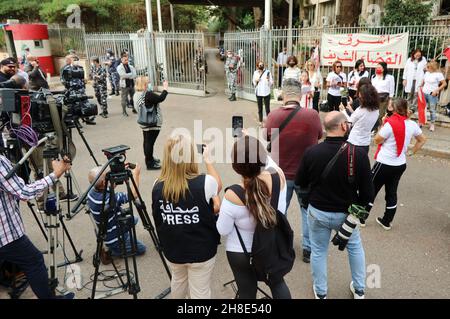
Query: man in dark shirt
(7,69)
(37,77)
(330,198)
(302,131)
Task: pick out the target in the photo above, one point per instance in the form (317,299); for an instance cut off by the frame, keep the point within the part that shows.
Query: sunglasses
(338,66)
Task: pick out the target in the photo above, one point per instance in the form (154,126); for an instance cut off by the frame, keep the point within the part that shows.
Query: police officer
(200,67)
(74,85)
(99,75)
(114,78)
(231,68)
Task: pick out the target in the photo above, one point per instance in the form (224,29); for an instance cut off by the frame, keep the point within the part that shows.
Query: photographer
(15,247)
(95,201)
(37,78)
(330,197)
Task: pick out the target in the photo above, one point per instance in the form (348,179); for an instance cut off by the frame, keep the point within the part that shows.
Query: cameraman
(330,198)
(95,200)
(37,78)
(72,77)
(15,247)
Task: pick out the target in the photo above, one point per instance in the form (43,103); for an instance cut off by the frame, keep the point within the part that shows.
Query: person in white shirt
(336,82)
(354,76)
(262,81)
(433,82)
(385,85)
(281,64)
(293,71)
(393,140)
(256,182)
(316,80)
(364,117)
(413,76)
(307,91)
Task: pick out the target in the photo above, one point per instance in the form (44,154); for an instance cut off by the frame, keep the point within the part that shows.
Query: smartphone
(200,148)
(238,125)
(344,100)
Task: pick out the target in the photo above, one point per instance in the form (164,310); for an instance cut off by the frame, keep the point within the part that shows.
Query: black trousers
(333,102)
(246,279)
(389,177)
(24,254)
(259,100)
(149,143)
(316,99)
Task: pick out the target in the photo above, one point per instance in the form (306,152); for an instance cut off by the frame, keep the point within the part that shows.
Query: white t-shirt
(315,78)
(232,214)
(333,77)
(262,82)
(388,151)
(306,100)
(211,187)
(353,79)
(362,121)
(431,81)
(384,86)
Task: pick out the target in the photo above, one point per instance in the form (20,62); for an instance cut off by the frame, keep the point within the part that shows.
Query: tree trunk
(257,13)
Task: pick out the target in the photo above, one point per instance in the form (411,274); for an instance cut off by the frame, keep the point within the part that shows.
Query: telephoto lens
(343,235)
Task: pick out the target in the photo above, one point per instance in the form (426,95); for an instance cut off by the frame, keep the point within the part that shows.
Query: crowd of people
(190,216)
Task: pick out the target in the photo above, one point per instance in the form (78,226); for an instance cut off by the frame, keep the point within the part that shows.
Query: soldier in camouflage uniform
(98,75)
(231,68)
(200,68)
(114,78)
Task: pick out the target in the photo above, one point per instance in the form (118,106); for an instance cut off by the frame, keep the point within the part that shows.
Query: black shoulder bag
(282,126)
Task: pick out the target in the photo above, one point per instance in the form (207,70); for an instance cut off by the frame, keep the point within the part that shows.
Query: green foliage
(22,10)
(406,12)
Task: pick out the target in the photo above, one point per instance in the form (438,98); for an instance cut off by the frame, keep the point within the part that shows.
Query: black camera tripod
(125,220)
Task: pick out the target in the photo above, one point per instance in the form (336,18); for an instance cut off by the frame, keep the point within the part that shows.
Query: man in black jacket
(37,78)
(8,68)
(330,198)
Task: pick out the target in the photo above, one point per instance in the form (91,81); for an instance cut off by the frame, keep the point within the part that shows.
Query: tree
(407,12)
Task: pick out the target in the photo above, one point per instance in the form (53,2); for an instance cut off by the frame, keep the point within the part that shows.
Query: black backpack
(272,255)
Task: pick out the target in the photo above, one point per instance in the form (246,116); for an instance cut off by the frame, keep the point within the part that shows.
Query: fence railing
(64,39)
(430,38)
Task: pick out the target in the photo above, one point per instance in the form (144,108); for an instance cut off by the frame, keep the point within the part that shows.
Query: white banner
(373,49)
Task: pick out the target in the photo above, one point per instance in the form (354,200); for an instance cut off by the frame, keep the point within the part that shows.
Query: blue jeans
(305,229)
(24,254)
(321,224)
(432,102)
(116,249)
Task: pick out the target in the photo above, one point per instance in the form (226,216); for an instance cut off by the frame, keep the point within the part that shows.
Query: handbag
(147,116)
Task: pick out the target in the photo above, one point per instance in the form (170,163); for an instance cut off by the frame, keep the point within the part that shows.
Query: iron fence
(299,42)
(64,39)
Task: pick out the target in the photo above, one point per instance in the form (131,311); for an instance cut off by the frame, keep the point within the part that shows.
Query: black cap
(8,61)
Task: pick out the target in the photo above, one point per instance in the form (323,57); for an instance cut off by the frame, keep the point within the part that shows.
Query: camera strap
(284,124)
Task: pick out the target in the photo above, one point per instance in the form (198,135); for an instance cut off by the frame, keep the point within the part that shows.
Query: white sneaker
(318,296)
(356,295)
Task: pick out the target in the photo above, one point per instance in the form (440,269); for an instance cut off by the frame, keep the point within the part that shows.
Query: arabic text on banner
(373,49)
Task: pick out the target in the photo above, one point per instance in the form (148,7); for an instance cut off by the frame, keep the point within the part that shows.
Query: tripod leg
(147,223)
(77,254)
(30,205)
(77,125)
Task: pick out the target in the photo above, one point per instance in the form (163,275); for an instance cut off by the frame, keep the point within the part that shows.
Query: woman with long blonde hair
(184,203)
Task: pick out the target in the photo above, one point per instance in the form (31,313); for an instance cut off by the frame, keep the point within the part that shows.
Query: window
(38,44)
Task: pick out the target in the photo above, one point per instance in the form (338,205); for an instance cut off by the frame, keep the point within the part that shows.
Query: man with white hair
(95,201)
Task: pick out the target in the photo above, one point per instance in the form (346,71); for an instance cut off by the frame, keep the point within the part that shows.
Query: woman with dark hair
(262,81)
(355,76)
(336,82)
(292,71)
(249,158)
(413,76)
(354,103)
(393,139)
(364,117)
(384,83)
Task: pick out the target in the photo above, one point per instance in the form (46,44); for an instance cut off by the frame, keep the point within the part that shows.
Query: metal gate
(139,45)
(171,56)
(180,59)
